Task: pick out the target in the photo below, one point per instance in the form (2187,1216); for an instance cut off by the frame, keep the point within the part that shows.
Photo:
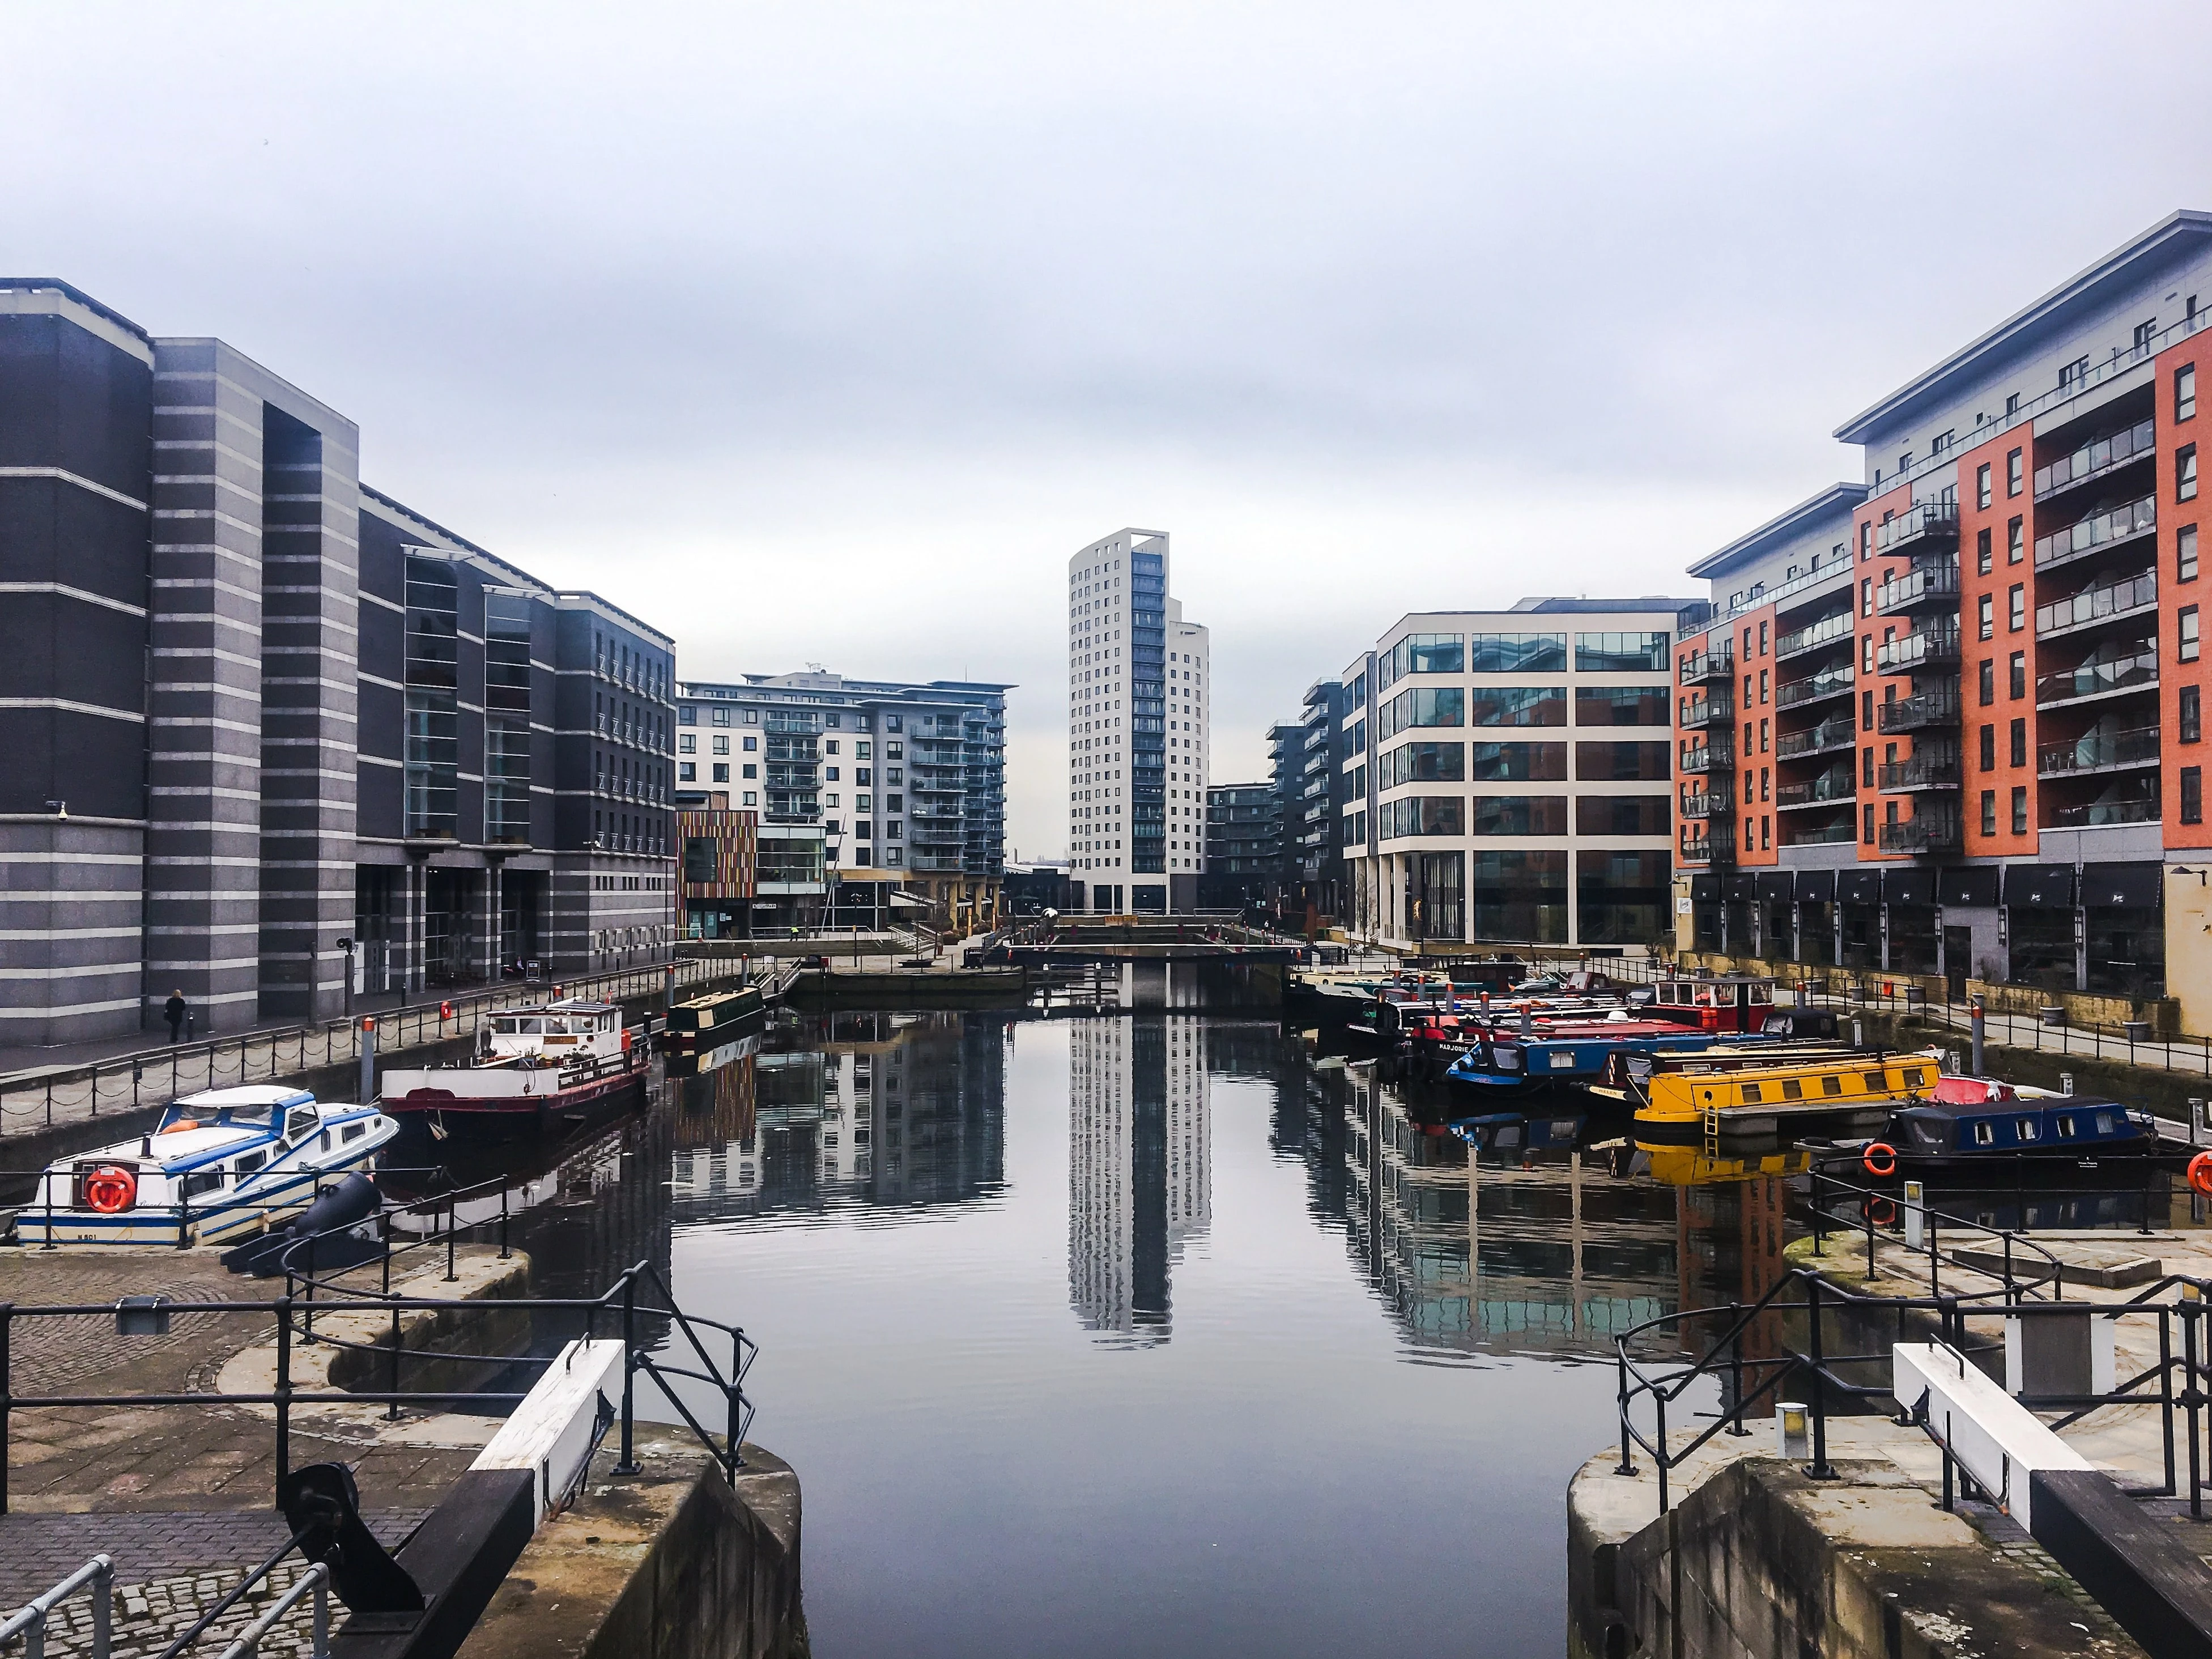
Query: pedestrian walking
(173,1012)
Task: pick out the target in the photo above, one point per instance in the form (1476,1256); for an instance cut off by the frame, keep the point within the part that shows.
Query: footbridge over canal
(1188,963)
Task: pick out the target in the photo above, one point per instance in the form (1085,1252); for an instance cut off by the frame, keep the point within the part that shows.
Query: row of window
(687,714)
(1452,763)
(1460,816)
(1520,653)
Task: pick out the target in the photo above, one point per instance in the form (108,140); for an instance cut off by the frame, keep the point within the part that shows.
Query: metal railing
(1922,523)
(2119,598)
(1915,714)
(2103,529)
(29,1621)
(2095,751)
(1829,735)
(1926,832)
(1826,631)
(2096,458)
(41,1098)
(1936,644)
(1928,581)
(2135,671)
(1828,683)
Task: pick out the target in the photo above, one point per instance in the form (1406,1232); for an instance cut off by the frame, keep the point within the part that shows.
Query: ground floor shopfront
(1555,898)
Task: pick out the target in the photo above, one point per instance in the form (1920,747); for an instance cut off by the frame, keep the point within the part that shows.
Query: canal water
(1148,1334)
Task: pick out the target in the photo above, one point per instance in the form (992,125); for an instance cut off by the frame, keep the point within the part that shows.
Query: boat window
(529,1027)
(300,1123)
(2104,1123)
(249,1164)
(2066,1126)
(1831,1084)
(502,1028)
(2028,1128)
(1750,1094)
(1984,1131)
(258,1115)
(1762,994)
(1792,1089)
(202,1181)
(1874,1083)
(1913,1076)
(606,1022)
(323,1145)
(353,1131)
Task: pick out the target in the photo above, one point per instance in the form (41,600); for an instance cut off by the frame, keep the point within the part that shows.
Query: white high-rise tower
(1137,711)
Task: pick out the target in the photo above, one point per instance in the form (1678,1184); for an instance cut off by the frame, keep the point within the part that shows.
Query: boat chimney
(146,1146)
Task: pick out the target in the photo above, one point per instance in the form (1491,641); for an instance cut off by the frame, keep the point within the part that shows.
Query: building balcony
(2136,671)
(1827,736)
(1931,832)
(1834,682)
(1938,770)
(2135,802)
(2098,458)
(1823,835)
(1924,648)
(1702,665)
(2135,596)
(1929,709)
(1707,849)
(1811,637)
(2115,527)
(1709,804)
(1826,790)
(1700,759)
(1697,713)
(1929,525)
(1931,584)
(2099,752)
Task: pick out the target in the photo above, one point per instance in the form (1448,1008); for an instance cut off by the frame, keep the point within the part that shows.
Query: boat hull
(460,1110)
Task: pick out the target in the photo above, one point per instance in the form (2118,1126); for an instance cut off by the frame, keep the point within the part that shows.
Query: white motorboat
(223,1164)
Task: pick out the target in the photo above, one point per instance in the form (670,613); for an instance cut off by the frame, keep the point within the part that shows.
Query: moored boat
(1856,1091)
(555,1063)
(220,1165)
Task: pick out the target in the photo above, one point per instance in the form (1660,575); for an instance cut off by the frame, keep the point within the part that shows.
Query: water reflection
(1140,1177)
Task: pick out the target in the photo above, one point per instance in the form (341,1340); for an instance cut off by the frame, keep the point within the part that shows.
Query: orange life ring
(1879,1169)
(111,1190)
(2200,1173)
(1875,1207)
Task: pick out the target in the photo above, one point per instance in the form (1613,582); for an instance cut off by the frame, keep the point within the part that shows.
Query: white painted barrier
(1996,1440)
(550,1432)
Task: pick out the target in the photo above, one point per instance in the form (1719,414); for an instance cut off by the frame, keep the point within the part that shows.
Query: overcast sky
(820,333)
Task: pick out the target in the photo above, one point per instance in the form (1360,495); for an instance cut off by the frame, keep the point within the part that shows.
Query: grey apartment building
(882,780)
(250,707)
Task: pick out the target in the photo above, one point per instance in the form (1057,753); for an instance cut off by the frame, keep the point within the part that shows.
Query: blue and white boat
(223,1164)
(1570,1051)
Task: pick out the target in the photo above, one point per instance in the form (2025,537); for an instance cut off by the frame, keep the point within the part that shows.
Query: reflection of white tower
(1139,1167)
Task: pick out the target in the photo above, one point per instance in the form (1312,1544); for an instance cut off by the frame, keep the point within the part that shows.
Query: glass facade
(1623,897)
(432,758)
(1518,897)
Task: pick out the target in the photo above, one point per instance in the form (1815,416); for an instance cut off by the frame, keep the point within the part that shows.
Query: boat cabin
(1727,1002)
(1687,1096)
(2066,1124)
(555,1033)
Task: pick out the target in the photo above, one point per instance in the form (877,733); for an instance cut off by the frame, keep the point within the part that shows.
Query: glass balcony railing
(1697,712)
(2098,751)
(1921,648)
(2135,671)
(1828,734)
(1915,587)
(2109,528)
(1708,804)
(1930,709)
(1829,787)
(2098,605)
(1931,832)
(2124,802)
(1828,683)
(1708,849)
(1827,835)
(1702,665)
(1920,526)
(1814,635)
(1930,771)
(1700,759)
(2095,458)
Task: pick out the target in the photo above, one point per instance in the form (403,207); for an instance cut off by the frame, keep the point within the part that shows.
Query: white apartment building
(1512,777)
(1138,700)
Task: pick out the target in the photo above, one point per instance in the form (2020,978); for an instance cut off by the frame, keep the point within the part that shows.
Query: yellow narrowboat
(1853,1093)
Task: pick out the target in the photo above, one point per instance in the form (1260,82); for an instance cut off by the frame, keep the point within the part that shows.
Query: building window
(1866,711)
(2192,794)
(1988,812)
(1866,768)
(752,717)
(2017,608)
(2019,808)
(1982,485)
(1988,682)
(1989,749)
(1986,614)
(2191,719)
(2019,742)
(687,771)
(750,798)
(686,744)
(721,745)
(750,746)
(1866,833)
(1982,556)
(2184,554)
(2187,634)
(2184,392)
(751,770)
(721,716)
(2015,472)
(721,772)
(686,714)
(2185,473)
(2015,540)
(1762,685)
(2018,676)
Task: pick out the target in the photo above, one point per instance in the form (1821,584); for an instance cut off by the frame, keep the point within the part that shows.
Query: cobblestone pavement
(38,1551)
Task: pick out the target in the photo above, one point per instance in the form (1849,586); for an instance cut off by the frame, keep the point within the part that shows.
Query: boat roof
(564,1005)
(249,1094)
